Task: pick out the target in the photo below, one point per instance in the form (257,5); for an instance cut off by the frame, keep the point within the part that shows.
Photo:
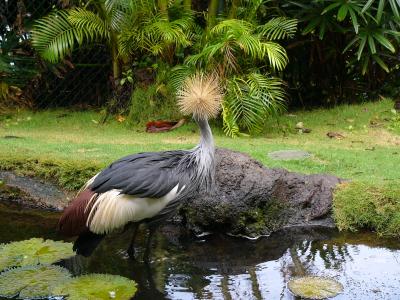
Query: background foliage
(269,54)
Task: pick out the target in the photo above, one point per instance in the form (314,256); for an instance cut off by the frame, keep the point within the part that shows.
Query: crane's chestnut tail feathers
(73,220)
(87,243)
(201,96)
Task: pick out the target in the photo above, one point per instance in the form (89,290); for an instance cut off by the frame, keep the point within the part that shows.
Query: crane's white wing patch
(113,210)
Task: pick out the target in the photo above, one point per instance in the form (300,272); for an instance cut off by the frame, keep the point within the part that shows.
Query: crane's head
(200,95)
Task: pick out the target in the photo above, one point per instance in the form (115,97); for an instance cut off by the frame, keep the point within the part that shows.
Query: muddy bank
(248,198)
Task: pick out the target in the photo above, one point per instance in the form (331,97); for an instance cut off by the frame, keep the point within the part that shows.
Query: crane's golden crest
(201,96)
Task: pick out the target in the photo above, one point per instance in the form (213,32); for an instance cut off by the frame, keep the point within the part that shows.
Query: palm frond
(178,75)
(246,109)
(251,45)
(172,32)
(54,36)
(238,27)
(250,99)
(279,28)
(93,24)
(118,11)
(276,54)
(270,90)
(229,126)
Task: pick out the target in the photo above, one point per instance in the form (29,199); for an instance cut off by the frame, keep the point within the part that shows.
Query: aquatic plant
(33,252)
(97,286)
(31,281)
(314,287)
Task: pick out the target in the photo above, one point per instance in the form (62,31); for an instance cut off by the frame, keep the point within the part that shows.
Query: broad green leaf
(97,286)
(32,282)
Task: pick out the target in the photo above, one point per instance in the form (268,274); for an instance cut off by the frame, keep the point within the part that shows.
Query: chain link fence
(82,79)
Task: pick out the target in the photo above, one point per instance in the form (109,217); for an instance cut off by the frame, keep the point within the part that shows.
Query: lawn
(70,146)
(368,151)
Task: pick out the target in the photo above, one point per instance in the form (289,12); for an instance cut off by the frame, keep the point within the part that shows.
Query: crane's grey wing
(146,175)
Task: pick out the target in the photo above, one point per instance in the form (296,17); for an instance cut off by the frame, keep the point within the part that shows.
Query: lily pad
(315,287)
(97,286)
(33,252)
(32,281)
(289,155)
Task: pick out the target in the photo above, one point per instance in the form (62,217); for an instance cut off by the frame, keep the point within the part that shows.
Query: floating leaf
(32,281)
(32,252)
(314,287)
(97,286)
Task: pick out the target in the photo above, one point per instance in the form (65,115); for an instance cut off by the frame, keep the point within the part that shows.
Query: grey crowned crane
(147,187)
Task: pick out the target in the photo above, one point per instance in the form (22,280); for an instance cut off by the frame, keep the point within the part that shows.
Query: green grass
(74,138)
(70,146)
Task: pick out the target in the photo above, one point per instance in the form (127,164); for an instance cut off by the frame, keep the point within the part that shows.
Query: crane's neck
(206,137)
(204,154)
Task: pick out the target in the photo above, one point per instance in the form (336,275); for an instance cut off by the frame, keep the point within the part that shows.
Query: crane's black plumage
(151,174)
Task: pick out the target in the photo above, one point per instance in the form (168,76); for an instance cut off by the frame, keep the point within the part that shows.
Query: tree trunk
(233,10)
(187,4)
(163,6)
(114,56)
(212,13)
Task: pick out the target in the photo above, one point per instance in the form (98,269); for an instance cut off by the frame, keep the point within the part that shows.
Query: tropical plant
(246,56)
(156,30)
(372,27)
(125,26)
(57,34)
(346,47)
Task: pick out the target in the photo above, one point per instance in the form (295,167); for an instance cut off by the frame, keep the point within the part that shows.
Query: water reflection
(222,267)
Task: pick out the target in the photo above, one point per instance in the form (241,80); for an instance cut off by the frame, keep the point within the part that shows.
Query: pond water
(223,267)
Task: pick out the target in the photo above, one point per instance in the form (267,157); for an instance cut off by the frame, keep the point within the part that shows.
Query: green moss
(360,205)
(66,174)
(97,286)
(32,252)
(314,287)
(32,281)
(261,220)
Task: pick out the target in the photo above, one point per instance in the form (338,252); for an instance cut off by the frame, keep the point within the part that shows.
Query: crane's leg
(131,248)
(152,229)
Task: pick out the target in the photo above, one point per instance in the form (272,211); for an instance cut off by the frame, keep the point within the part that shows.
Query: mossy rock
(361,205)
(33,252)
(315,287)
(97,287)
(32,281)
